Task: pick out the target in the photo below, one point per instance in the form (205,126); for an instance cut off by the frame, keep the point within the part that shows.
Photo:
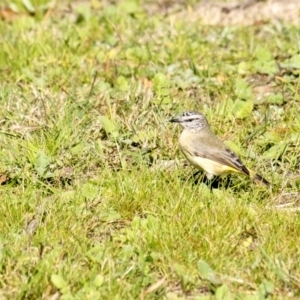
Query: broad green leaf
(243,67)
(292,63)
(266,287)
(295,61)
(58,281)
(90,191)
(207,273)
(78,148)
(269,286)
(275,99)
(179,269)
(264,62)
(103,86)
(128,250)
(109,126)
(143,135)
(152,223)
(84,12)
(137,54)
(29,6)
(98,281)
(113,53)
(41,163)
(112,216)
(270,137)
(242,109)
(294,137)
(265,67)
(276,151)
(241,89)
(68,195)
(129,6)
(223,293)
(122,84)
(263,54)
(161,84)
(160,80)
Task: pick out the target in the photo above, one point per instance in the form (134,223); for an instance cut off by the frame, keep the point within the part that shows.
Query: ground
(97,201)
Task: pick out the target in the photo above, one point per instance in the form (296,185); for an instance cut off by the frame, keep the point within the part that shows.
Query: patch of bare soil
(247,12)
(208,12)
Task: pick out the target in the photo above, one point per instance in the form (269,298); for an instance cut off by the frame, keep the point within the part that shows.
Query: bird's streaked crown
(191,120)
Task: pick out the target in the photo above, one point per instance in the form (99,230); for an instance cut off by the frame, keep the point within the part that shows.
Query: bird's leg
(196,173)
(209,179)
(228,181)
(210,176)
(196,177)
(212,181)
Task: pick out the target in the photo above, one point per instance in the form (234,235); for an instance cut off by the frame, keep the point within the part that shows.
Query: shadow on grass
(215,183)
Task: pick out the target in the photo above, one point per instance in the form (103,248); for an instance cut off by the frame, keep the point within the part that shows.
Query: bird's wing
(214,149)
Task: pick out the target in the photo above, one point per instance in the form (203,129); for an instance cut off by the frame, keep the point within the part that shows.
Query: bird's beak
(174,120)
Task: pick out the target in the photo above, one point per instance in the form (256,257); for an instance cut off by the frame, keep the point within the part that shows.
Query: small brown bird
(207,152)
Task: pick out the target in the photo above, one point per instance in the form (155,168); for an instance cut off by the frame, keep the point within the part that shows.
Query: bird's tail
(258,179)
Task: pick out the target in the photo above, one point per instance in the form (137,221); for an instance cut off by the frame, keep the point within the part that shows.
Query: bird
(204,150)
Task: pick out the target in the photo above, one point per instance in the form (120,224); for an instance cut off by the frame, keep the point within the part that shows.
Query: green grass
(86,213)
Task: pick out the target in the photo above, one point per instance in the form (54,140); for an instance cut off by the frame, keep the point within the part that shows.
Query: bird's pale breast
(208,165)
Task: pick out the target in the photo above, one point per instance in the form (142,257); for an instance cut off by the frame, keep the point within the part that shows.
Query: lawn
(96,198)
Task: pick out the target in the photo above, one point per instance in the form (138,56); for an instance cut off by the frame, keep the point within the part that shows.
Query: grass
(87,213)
